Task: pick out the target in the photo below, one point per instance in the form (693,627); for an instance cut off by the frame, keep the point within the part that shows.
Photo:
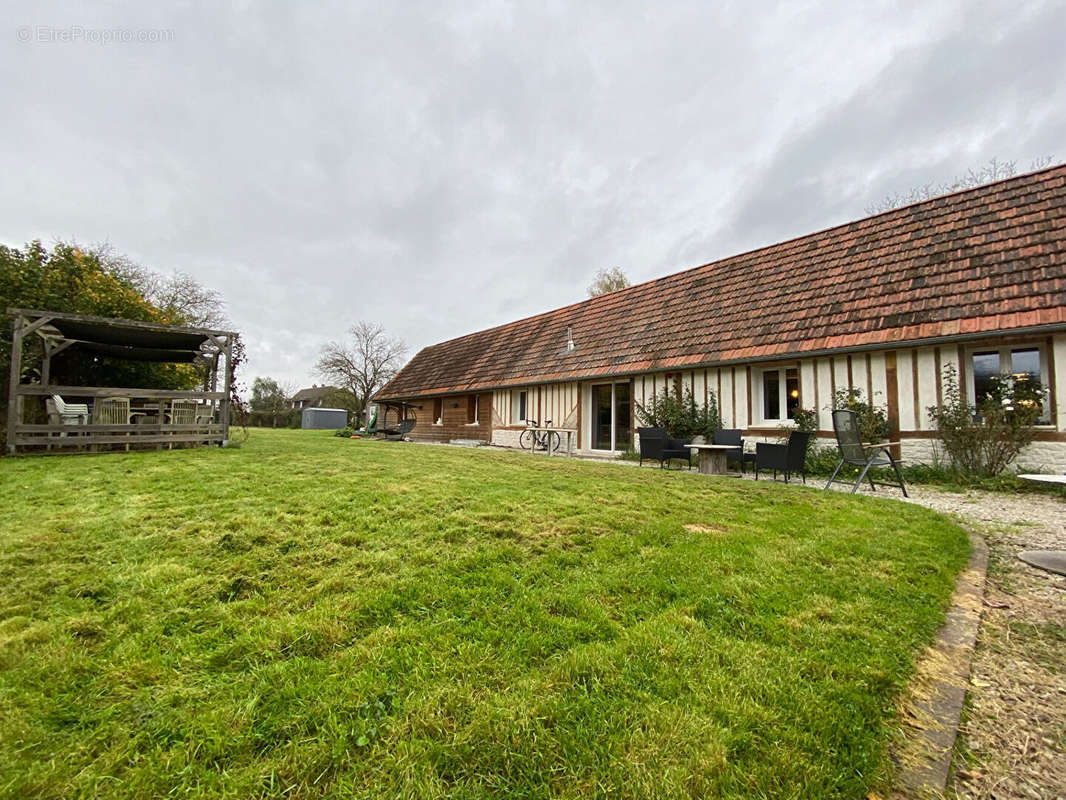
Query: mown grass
(310,616)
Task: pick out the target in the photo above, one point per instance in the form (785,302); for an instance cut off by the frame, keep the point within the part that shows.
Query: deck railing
(152,421)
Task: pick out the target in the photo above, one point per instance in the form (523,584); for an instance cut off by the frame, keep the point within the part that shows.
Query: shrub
(873,421)
(822,460)
(679,414)
(985,438)
(289,418)
(806,419)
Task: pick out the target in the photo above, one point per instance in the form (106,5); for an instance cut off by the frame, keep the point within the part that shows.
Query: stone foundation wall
(1037,457)
(505,437)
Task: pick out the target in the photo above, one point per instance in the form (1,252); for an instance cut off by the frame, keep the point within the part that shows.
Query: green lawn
(311,616)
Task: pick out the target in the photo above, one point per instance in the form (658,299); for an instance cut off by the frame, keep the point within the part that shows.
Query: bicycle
(546,441)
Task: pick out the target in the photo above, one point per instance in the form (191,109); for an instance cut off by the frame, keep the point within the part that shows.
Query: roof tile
(985,259)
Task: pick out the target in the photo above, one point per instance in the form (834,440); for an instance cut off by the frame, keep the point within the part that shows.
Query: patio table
(712,457)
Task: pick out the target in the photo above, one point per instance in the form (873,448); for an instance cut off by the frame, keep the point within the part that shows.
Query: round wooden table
(712,457)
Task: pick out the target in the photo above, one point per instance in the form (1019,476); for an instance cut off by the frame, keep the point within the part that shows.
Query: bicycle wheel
(552,441)
(525,441)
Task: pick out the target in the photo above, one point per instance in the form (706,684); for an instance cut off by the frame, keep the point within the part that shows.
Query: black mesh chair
(398,433)
(787,458)
(731,436)
(856,454)
(656,445)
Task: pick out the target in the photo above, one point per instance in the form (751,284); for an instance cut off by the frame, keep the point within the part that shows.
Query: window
(471,409)
(518,406)
(990,364)
(438,411)
(780,389)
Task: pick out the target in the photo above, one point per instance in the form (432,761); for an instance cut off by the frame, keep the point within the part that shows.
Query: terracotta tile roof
(986,259)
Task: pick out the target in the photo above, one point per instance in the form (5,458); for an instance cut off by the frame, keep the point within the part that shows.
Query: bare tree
(180,296)
(994,170)
(363,364)
(183,297)
(608,280)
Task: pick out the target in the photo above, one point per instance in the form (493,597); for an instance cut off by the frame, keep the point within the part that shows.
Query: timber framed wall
(905,381)
(456,416)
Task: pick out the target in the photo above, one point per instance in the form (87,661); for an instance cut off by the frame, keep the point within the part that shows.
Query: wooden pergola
(155,422)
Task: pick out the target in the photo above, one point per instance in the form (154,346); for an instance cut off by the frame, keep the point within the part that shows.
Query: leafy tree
(336,397)
(270,401)
(983,439)
(362,365)
(608,280)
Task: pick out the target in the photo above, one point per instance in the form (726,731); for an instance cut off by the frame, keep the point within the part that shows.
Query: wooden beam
(207,427)
(33,326)
(50,351)
(14,402)
(226,387)
(60,348)
(24,440)
(117,323)
(37,389)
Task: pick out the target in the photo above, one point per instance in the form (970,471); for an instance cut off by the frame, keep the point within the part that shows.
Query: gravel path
(1012,742)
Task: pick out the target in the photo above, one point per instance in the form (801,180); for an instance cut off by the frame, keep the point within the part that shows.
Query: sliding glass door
(611,425)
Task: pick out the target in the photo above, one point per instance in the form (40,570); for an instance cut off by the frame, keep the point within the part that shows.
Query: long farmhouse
(976,279)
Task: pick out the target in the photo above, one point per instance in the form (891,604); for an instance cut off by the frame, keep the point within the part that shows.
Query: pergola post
(226,389)
(14,400)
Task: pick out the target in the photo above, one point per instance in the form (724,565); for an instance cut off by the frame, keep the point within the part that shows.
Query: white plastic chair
(68,413)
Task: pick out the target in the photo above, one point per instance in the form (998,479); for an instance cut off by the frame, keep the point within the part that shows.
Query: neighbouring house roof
(312,393)
(987,259)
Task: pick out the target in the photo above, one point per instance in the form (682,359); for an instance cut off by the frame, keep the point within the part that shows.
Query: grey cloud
(442,168)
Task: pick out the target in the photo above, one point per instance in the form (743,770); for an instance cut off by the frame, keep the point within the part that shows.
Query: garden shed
(321,419)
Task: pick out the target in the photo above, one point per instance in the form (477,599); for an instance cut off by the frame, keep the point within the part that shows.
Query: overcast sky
(442,169)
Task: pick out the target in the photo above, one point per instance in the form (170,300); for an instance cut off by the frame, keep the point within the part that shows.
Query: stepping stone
(1051,560)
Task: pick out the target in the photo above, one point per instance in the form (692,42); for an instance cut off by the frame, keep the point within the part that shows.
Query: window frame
(519,406)
(1045,421)
(472,403)
(438,410)
(759,399)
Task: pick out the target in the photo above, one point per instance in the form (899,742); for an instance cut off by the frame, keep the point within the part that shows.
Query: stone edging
(942,676)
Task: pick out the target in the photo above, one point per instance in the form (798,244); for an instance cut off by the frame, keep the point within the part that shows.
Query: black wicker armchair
(656,445)
(787,458)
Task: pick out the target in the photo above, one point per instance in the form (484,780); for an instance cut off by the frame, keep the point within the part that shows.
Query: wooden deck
(154,417)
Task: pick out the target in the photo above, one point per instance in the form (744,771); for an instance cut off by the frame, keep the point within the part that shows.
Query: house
(974,279)
(310,398)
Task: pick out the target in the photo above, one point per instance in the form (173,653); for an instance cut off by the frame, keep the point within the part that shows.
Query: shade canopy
(114,332)
(126,339)
(160,354)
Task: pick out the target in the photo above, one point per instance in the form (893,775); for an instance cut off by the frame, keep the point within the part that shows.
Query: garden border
(942,677)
